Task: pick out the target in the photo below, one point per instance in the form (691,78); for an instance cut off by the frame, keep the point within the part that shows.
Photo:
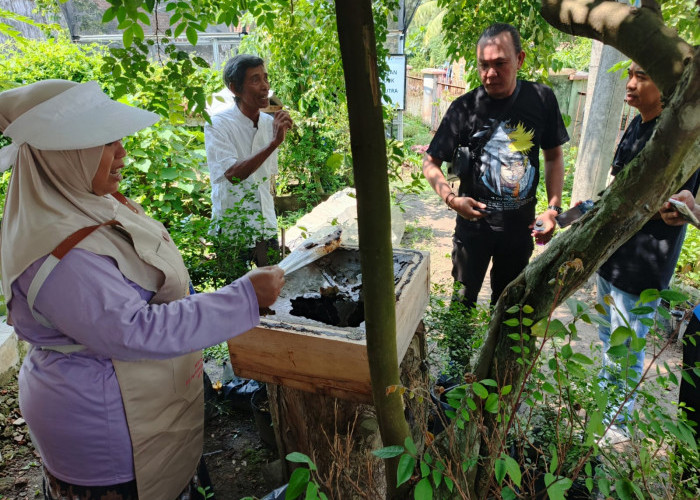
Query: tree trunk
(358,50)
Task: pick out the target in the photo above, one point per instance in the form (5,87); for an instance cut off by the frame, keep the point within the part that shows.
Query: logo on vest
(197,373)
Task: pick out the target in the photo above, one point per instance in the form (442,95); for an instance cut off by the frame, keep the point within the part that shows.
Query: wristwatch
(555,208)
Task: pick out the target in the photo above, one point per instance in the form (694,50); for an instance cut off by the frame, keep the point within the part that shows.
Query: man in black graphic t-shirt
(504,123)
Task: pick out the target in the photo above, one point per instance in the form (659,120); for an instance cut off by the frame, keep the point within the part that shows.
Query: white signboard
(395,81)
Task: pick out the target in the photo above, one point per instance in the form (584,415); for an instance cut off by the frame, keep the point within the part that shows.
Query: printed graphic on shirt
(506,169)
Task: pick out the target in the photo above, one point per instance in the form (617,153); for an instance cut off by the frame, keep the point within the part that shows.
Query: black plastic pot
(437,418)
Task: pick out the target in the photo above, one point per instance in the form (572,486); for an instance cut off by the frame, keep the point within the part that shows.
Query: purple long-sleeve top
(72,402)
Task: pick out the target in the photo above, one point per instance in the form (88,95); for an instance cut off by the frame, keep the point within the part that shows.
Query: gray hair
(235,70)
(498,28)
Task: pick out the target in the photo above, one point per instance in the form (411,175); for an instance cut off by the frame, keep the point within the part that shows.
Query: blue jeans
(610,373)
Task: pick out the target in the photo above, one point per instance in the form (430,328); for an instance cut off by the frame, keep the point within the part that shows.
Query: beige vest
(163,400)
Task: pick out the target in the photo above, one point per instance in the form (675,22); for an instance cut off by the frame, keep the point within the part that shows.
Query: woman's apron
(163,399)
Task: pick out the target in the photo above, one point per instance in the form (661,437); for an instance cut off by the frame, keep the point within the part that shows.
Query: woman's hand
(267,283)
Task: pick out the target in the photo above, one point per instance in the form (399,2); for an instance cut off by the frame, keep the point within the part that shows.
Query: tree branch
(638,33)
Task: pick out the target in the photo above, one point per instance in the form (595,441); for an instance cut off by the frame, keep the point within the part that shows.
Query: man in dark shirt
(646,261)
(504,123)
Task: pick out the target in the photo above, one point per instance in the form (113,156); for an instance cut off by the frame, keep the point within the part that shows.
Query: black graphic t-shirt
(505,151)
(647,259)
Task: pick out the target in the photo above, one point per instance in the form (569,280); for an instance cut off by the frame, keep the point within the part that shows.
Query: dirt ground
(239,462)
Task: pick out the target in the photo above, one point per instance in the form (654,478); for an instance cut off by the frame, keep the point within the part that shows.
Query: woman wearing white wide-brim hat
(112,386)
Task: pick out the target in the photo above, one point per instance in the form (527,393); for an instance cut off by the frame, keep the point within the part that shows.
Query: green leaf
(624,489)
(556,487)
(673,296)
(109,15)
(620,335)
(567,351)
(489,382)
(297,483)
(555,458)
(649,295)
(527,322)
(179,29)
(637,343)
(547,387)
(557,328)
(539,328)
(410,446)
(508,494)
(389,451)
(423,491)
(506,390)
(300,458)
(311,491)
(450,484)
(512,322)
(582,358)
(513,309)
(405,470)
(424,469)
(480,390)
(500,470)
(138,31)
(168,173)
(619,351)
(513,468)
(642,310)
(437,478)
(491,404)
(127,37)
(188,188)
(528,309)
(191,35)
(143,164)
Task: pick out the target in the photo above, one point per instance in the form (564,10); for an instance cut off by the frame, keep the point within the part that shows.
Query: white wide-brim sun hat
(80,117)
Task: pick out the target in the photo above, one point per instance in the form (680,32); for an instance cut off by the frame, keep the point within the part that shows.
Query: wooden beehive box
(313,356)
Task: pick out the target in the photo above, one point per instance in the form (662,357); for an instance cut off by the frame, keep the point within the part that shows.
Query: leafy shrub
(35,60)
(457,331)
(688,268)
(554,445)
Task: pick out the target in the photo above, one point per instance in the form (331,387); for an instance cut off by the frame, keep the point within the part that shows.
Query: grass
(418,238)
(415,132)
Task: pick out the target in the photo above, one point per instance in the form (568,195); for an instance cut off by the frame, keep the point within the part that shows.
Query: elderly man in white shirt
(241,146)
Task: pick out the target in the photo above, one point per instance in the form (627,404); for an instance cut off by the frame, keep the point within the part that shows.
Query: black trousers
(473,251)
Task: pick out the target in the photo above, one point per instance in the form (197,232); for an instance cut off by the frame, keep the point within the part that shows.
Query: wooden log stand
(339,434)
